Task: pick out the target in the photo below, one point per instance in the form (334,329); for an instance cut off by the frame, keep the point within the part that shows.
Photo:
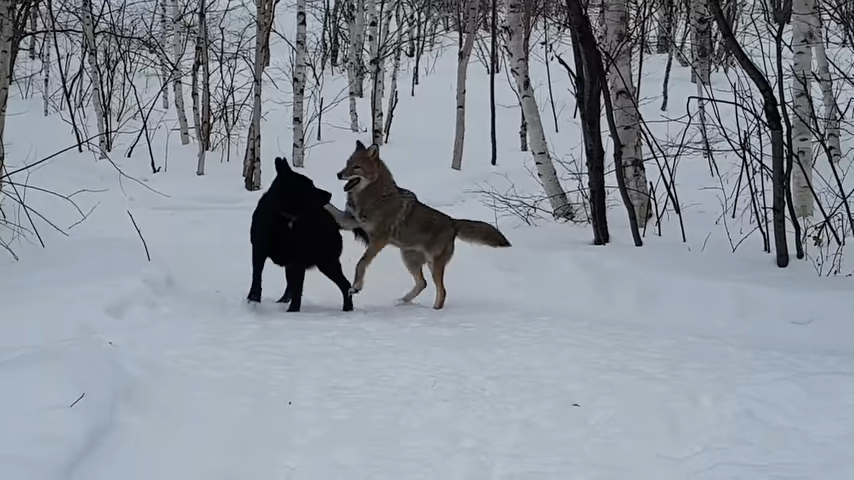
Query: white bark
(831,108)
(164,68)
(177,73)
(298,150)
(264,13)
(393,94)
(701,21)
(463,55)
(518,62)
(94,76)
(206,79)
(194,89)
(358,40)
(803,38)
(7,10)
(376,70)
(353,62)
(46,70)
(624,100)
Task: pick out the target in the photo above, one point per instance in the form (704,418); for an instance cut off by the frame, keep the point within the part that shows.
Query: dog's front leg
(375,246)
(258,260)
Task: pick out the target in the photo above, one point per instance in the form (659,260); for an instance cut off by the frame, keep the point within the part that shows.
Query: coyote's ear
(374,151)
(282,165)
(359,146)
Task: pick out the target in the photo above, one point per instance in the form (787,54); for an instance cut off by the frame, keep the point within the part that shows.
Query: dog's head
(363,167)
(294,193)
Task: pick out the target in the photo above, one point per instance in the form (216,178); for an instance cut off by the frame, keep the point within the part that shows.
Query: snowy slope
(552,359)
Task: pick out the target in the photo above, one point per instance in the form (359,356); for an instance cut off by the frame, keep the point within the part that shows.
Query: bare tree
(177,73)
(467,30)
(515,44)
(298,149)
(264,13)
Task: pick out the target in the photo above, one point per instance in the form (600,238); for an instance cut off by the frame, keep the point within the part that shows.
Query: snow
(552,359)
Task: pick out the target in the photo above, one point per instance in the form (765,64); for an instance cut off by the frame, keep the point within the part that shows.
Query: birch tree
(353,56)
(624,100)
(358,41)
(831,108)
(164,68)
(94,76)
(803,38)
(264,14)
(298,147)
(466,44)
(177,73)
(7,31)
(514,28)
(201,121)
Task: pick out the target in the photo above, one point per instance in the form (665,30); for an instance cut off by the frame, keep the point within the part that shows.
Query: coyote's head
(363,167)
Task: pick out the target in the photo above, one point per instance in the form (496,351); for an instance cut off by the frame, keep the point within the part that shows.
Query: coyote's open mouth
(352,183)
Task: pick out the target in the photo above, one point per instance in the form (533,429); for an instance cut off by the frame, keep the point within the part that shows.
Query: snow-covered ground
(552,359)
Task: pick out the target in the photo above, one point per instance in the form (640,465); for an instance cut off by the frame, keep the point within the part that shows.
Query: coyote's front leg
(375,246)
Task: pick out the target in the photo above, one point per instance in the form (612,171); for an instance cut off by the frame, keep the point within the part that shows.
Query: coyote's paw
(353,290)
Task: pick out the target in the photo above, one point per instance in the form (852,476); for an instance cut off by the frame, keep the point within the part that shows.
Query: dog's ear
(359,146)
(282,166)
(374,151)
(320,197)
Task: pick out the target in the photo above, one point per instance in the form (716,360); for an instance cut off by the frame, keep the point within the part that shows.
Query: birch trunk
(393,93)
(177,73)
(701,20)
(803,38)
(518,60)
(623,98)
(264,12)
(353,63)
(34,13)
(831,109)
(194,92)
(206,78)
(359,43)
(463,56)
(377,73)
(164,69)
(46,70)
(94,76)
(7,10)
(298,150)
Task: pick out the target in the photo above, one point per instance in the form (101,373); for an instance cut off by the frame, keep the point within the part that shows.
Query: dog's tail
(480,233)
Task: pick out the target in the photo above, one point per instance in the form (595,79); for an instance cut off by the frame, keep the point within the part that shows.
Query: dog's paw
(286,298)
(254,297)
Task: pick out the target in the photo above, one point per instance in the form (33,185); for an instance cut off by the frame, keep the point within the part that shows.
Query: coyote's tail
(481,233)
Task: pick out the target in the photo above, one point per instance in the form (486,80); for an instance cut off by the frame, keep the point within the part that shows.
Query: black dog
(291,227)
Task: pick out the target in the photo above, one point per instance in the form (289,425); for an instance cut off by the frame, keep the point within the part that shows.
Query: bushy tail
(481,233)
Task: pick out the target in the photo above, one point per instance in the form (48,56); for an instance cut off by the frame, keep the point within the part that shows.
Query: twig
(138,232)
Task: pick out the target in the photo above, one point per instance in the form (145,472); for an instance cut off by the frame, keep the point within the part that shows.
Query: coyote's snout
(393,215)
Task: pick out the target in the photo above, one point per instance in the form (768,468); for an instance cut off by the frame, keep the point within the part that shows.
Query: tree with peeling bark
(804,25)
(94,75)
(514,29)
(201,120)
(264,14)
(467,30)
(624,99)
(831,107)
(177,74)
(298,148)
(354,56)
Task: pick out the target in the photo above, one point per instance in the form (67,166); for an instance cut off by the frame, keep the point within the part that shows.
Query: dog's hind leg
(258,260)
(437,269)
(289,294)
(333,271)
(295,275)
(414,261)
